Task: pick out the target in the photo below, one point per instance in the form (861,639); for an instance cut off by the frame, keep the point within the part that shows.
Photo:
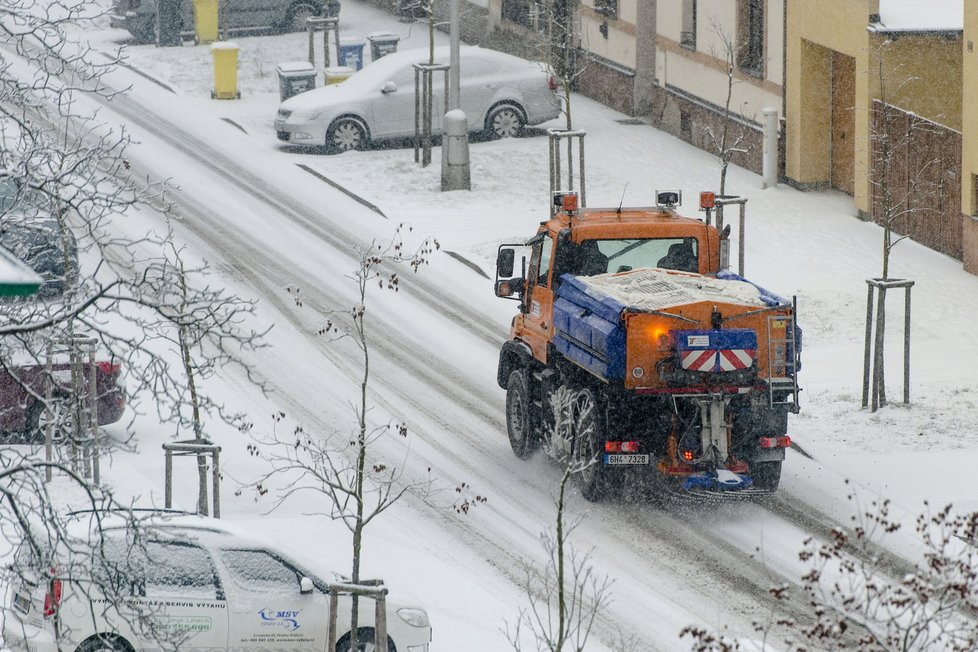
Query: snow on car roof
(380,71)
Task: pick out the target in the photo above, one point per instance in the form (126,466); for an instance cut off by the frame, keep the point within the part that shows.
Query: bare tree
(565,595)
(860,600)
(732,137)
(359,483)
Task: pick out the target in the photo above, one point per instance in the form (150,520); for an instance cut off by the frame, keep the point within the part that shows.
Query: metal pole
(906,348)
(743,223)
(454,94)
(380,605)
(869,340)
(879,397)
(312,46)
(580,171)
(93,418)
(48,429)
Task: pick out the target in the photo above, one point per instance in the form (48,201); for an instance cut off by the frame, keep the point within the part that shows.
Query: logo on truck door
(535,308)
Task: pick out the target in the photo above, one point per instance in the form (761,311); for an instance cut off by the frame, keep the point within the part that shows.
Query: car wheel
(365,642)
(589,437)
(766,475)
(346,134)
(521,437)
(298,13)
(61,416)
(105,643)
(505,121)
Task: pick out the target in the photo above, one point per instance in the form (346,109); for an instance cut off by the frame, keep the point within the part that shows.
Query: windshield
(615,256)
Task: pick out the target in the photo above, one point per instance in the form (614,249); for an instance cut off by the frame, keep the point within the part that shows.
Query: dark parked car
(43,246)
(245,16)
(23,418)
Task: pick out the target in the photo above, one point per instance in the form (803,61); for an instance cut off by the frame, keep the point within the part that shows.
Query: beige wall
(969,154)
(619,47)
(700,72)
(815,28)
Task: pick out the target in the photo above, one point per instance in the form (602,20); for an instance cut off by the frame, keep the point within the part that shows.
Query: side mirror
(389,87)
(305,586)
(509,288)
(505,261)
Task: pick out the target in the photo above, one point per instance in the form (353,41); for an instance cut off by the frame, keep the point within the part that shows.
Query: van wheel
(105,643)
(505,121)
(62,414)
(365,642)
(298,13)
(346,134)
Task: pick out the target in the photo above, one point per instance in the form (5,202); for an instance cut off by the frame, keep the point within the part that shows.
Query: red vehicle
(23,390)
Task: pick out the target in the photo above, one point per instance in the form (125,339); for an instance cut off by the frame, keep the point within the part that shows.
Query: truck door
(538,320)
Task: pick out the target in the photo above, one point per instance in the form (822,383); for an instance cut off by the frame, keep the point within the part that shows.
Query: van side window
(259,571)
(180,570)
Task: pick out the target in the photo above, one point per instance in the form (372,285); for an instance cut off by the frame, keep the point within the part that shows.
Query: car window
(257,570)
(160,569)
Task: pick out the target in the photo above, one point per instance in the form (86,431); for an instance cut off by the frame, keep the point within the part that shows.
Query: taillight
(52,598)
(552,83)
(108,368)
(621,447)
(774,442)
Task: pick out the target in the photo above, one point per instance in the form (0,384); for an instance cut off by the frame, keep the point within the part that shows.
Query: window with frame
(607,8)
(687,37)
(518,11)
(259,571)
(750,36)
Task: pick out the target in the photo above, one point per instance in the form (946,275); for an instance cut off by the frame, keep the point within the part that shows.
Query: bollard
(455,172)
(769,178)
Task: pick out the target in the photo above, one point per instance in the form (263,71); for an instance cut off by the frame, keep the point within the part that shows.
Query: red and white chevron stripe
(699,360)
(735,359)
(713,360)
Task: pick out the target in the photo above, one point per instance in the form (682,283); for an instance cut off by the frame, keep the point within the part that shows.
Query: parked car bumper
(300,133)
(24,637)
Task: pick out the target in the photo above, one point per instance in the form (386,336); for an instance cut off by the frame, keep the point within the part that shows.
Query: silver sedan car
(500,95)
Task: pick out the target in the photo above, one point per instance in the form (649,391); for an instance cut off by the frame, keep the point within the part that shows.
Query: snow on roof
(921,15)
(655,289)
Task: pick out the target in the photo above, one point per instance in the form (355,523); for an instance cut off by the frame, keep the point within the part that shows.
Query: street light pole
(454,100)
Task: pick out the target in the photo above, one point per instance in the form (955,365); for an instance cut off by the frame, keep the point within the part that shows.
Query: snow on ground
(806,244)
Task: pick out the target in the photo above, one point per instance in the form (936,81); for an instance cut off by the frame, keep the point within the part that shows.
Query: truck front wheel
(521,437)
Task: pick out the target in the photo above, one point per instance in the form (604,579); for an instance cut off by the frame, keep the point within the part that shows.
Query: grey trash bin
(382,44)
(295,77)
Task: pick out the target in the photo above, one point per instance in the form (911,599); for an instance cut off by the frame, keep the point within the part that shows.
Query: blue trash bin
(351,52)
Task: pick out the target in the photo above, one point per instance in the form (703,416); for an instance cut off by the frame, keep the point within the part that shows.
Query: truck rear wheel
(589,438)
(518,422)
(766,475)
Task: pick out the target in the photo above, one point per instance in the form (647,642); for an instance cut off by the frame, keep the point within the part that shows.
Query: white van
(182,582)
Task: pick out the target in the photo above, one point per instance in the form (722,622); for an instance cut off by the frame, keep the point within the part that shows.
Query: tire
(296,21)
(105,643)
(766,475)
(597,482)
(518,423)
(365,641)
(345,135)
(505,121)
(37,420)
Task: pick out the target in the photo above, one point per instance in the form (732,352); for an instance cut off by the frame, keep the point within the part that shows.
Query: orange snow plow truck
(637,356)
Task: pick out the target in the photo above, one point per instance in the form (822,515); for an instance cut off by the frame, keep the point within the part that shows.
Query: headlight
(312,114)
(414,617)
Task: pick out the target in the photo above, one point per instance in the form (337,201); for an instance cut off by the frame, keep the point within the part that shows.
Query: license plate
(617,460)
(22,603)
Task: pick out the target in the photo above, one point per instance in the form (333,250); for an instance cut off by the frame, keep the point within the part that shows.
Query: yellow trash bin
(225,70)
(337,74)
(205,20)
